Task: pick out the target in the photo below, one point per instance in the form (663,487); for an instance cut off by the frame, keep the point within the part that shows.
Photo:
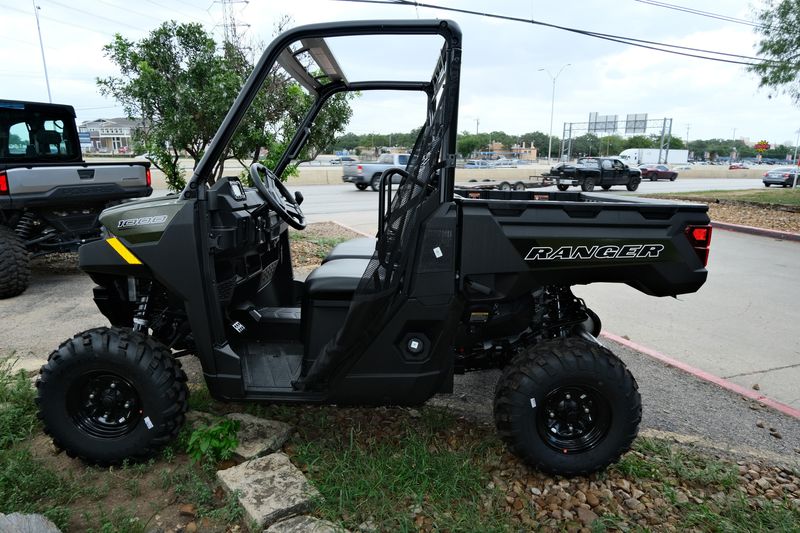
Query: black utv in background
(590,172)
(50,199)
(455,281)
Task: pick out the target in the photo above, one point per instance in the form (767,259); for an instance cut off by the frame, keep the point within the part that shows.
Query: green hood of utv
(141,221)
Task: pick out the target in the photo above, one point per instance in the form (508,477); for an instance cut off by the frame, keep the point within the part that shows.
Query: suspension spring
(140,321)
(24,228)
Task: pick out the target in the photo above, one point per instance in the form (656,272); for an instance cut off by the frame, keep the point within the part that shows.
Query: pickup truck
(50,198)
(589,172)
(365,175)
(456,280)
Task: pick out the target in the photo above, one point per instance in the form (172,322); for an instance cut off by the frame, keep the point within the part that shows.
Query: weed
(215,442)
(17,406)
(119,520)
(27,487)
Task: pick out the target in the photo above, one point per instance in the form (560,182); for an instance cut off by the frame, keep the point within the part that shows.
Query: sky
(502,86)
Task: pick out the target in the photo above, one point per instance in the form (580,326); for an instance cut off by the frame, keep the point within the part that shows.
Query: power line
(641,43)
(57,21)
(89,13)
(699,12)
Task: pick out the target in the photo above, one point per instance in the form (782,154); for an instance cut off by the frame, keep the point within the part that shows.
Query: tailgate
(351,169)
(72,183)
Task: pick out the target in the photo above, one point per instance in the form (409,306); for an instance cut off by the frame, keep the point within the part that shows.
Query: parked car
(783,176)
(658,172)
(737,166)
(342,160)
(479,163)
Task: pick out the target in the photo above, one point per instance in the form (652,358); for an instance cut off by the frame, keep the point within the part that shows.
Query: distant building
(111,135)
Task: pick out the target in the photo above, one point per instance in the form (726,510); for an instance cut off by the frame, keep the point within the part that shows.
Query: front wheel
(633,184)
(567,406)
(109,394)
(767,184)
(361,186)
(562,188)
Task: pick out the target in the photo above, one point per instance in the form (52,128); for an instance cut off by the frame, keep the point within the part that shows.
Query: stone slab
(259,436)
(26,523)
(305,524)
(269,488)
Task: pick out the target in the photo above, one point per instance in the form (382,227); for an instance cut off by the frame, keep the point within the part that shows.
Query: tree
(779,30)
(182,85)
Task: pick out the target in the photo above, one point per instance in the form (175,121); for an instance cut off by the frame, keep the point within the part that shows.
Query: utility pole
(687,136)
(552,107)
(797,167)
(477,123)
(41,47)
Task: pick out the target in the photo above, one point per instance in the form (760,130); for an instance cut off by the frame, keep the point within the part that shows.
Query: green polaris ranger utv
(455,280)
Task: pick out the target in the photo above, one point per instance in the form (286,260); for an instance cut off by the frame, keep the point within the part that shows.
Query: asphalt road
(672,402)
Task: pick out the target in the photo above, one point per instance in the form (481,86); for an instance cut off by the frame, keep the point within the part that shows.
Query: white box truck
(649,156)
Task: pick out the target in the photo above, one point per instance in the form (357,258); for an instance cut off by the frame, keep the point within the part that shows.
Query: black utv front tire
(109,394)
(567,406)
(15,264)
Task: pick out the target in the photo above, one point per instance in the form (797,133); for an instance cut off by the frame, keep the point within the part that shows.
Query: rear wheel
(653,178)
(15,264)
(109,394)
(361,186)
(767,184)
(673,178)
(375,182)
(504,186)
(633,184)
(567,406)
(587,185)
(561,187)
(519,186)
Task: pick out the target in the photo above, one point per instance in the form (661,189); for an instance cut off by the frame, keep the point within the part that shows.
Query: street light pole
(796,166)
(41,46)
(552,107)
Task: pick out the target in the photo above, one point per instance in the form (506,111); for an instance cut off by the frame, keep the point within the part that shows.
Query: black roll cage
(312,41)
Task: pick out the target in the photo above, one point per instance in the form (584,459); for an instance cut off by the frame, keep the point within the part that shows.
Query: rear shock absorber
(140,320)
(25,225)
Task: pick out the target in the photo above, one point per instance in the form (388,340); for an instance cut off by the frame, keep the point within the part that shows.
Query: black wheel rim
(104,405)
(573,419)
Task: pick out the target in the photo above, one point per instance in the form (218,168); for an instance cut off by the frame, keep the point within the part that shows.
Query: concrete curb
(775,234)
(705,376)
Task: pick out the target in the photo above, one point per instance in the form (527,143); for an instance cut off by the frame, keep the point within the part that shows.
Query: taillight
(360,169)
(147,176)
(766,174)
(700,239)
(3,182)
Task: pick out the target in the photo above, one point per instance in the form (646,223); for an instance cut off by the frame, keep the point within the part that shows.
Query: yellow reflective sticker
(124,252)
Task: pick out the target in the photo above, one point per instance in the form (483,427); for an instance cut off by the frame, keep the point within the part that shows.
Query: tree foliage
(182,84)
(779,46)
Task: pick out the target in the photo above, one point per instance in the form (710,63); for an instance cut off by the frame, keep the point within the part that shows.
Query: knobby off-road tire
(15,264)
(562,187)
(567,406)
(633,184)
(109,394)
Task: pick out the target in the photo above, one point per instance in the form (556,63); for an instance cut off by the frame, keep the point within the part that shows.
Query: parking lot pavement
(673,402)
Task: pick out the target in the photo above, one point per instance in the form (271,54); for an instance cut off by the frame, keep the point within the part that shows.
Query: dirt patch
(759,217)
(311,245)
(66,263)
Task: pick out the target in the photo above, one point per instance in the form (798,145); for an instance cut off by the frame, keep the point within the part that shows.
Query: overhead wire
(699,12)
(641,43)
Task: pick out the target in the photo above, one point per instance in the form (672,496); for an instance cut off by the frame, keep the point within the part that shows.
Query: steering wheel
(277,196)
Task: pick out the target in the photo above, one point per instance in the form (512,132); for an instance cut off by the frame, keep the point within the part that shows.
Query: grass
(765,196)
(314,246)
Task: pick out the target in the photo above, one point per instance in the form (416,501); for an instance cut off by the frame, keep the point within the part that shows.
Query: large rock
(305,524)
(26,523)
(259,436)
(269,488)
